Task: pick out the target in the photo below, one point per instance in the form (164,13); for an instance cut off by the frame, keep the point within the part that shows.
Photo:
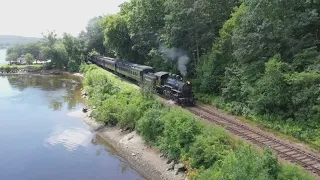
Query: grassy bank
(307,131)
(208,151)
(13,68)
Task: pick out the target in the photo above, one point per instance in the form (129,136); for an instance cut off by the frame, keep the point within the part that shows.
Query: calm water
(3,56)
(39,140)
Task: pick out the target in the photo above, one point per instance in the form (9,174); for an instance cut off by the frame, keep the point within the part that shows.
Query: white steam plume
(179,55)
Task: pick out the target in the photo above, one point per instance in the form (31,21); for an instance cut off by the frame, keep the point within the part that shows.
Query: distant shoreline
(38,72)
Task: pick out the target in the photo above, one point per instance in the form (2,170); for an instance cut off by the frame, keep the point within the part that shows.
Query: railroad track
(308,160)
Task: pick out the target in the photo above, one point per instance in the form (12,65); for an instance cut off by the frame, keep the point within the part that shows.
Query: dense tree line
(252,57)
(66,52)
(255,57)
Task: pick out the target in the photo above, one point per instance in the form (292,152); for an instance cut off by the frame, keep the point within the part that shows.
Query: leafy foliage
(209,147)
(180,130)
(150,126)
(117,37)
(245,163)
(29,58)
(206,149)
(94,35)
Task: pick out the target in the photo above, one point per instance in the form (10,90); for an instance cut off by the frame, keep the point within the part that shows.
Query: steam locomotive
(164,83)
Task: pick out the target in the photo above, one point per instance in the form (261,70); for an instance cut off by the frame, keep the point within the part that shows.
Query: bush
(245,163)
(129,116)
(116,102)
(180,130)
(108,111)
(293,173)
(150,126)
(209,147)
(86,68)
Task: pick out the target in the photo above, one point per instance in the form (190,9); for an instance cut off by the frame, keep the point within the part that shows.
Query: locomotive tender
(165,83)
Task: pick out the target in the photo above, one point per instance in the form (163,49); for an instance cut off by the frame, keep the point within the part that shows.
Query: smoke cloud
(178,55)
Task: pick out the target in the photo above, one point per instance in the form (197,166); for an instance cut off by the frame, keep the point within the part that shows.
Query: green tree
(117,38)
(194,24)
(276,27)
(34,49)
(145,21)
(17,49)
(54,50)
(212,70)
(94,35)
(75,51)
(29,58)
(13,56)
(271,94)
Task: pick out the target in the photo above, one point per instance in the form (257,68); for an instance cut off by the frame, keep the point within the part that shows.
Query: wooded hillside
(9,40)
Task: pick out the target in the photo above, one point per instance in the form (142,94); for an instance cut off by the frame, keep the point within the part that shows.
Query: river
(40,140)
(3,56)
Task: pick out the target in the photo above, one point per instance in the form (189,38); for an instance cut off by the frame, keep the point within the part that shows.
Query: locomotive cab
(161,78)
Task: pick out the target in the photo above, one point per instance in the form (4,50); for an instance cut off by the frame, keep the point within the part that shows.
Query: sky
(32,17)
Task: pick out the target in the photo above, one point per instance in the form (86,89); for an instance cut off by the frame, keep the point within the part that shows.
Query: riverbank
(40,72)
(144,159)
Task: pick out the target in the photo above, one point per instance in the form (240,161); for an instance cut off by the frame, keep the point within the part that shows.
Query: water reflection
(97,140)
(68,88)
(74,138)
(6,90)
(71,139)
(40,140)
(105,147)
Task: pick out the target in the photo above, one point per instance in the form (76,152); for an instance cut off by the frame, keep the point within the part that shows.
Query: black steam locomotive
(167,84)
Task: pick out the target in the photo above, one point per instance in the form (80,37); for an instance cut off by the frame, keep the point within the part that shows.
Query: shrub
(84,68)
(245,163)
(108,111)
(293,173)
(115,101)
(150,126)
(180,130)
(209,147)
(129,116)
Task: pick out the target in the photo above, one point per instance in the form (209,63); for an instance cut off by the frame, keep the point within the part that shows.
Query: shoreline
(42,72)
(146,160)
